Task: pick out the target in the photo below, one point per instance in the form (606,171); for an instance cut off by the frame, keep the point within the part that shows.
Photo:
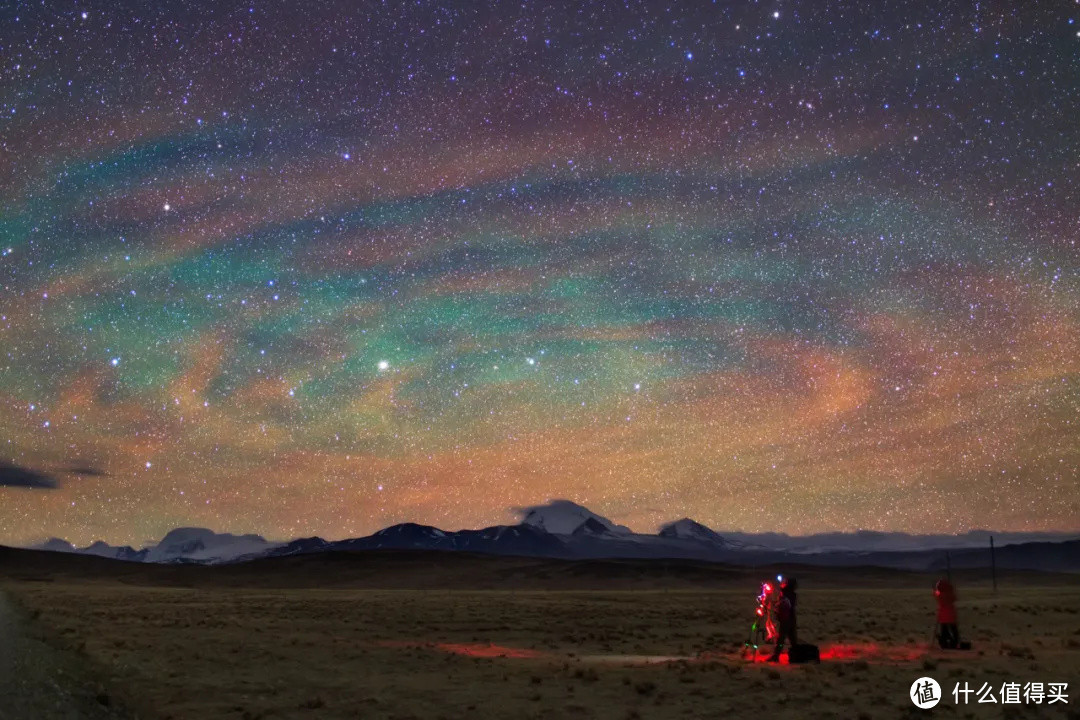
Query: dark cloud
(16,476)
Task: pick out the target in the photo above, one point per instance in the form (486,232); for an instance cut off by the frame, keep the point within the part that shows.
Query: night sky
(310,267)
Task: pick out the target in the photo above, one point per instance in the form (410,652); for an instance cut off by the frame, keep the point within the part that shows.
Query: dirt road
(40,682)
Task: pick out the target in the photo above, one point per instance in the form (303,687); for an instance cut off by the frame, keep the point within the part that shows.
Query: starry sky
(316,268)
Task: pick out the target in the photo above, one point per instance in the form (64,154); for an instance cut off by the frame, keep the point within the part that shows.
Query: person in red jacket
(948,634)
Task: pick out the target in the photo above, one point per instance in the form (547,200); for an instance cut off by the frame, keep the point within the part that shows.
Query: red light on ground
(475,650)
(764,658)
(481,650)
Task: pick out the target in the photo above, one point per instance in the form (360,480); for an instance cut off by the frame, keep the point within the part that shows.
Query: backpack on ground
(804,653)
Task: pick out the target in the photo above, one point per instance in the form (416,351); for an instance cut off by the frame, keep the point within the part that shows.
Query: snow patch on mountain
(406,535)
(592,527)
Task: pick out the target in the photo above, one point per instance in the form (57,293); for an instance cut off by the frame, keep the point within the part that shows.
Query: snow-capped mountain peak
(201,544)
(57,545)
(687,529)
(103,549)
(563,517)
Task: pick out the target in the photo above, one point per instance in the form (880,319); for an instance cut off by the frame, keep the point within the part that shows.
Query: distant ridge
(563,529)
(180,545)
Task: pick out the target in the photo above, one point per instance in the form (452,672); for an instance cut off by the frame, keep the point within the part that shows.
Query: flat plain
(658,643)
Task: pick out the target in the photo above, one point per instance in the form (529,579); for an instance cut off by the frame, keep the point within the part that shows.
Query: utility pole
(993,563)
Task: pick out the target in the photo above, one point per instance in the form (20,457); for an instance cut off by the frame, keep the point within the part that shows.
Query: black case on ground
(804,653)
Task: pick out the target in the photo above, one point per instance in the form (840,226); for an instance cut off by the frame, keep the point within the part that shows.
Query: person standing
(948,634)
(786,617)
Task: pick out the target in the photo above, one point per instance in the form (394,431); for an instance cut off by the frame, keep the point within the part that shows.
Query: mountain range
(563,529)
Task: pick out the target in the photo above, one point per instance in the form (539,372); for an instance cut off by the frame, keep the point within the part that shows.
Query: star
(839,252)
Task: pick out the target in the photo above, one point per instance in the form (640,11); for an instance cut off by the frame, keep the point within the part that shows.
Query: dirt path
(40,682)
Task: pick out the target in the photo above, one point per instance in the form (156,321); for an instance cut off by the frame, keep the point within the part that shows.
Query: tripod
(759,635)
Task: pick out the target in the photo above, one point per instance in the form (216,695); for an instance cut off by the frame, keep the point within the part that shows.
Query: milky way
(315,268)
